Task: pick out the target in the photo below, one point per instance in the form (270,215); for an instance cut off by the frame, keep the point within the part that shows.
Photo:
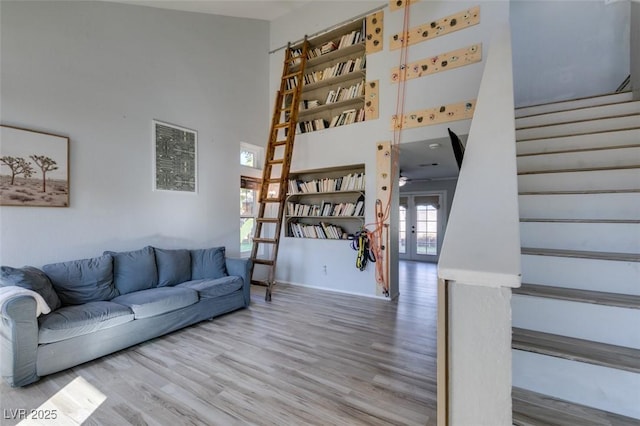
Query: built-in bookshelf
(334,79)
(325,203)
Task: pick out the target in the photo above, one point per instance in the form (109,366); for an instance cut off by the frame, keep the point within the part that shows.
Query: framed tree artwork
(175,158)
(34,168)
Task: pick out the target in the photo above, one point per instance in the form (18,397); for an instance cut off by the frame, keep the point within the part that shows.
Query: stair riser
(603,237)
(599,323)
(604,125)
(595,386)
(590,141)
(574,160)
(585,274)
(589,113)
(578,103)
(580,206)
(581,181)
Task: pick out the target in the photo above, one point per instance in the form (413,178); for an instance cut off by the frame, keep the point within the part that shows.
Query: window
(250,155)
(249,190)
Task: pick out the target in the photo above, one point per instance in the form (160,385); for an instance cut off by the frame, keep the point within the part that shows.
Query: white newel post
(480,259)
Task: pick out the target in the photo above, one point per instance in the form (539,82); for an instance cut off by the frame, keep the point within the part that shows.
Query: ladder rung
(260,282)
(270,200)
(280,143)
(282,125)
(267,219)
(293,74)
(293,58)
(262,261)
(265,240)
(272,181)
(286,92)
(276,161)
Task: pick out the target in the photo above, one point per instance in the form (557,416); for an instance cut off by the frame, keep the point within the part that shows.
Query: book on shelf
(326,209)
(312,125)
(350,182)
(309,104)
(321,231)
(336,70)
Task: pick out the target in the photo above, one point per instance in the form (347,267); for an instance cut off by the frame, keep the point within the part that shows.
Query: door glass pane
(402,240)
(426,230)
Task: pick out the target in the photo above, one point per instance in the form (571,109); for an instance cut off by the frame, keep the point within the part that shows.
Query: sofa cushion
(174,266)
(32,279)
(156,301)
(134,270)
(81,281)
(208,263)
(72,321)
(214,288)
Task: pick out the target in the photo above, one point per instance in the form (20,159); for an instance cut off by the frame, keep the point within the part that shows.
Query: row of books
(291,83)
(326,209)
(344,94)
(339,95)
(350,182)
(341,68)
(309,104)
(322,231)
(312,125)
(349,116)
(346,40)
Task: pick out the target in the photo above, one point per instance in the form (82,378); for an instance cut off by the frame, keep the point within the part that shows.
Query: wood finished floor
(308,357)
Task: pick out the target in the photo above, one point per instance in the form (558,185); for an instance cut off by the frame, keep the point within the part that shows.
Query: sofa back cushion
(174,266)
(134,270)
(208,263)
(32,279)
(82,281)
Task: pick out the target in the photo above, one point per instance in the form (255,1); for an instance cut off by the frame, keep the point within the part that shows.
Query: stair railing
(480,258)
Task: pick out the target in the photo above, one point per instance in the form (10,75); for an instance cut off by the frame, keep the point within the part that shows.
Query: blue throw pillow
(134,270)
(174,266)
(83,281)
(208,263)
(32,279)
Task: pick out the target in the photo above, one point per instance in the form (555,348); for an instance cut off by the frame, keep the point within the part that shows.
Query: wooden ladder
(275,174)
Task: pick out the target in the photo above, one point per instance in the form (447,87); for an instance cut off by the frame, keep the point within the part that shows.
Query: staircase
(576,318)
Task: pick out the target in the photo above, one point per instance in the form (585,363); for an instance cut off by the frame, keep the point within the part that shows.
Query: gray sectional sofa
(104,304)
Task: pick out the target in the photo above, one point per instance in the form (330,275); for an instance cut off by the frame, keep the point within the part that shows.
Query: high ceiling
(418,162)
(256,9)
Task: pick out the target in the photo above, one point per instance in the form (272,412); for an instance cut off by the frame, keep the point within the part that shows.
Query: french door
(421,218)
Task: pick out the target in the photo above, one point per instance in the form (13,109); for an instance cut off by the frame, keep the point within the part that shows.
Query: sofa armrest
(241,268)
(18,340)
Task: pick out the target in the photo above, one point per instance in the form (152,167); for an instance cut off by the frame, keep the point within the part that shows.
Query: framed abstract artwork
(175,158)
(34,168)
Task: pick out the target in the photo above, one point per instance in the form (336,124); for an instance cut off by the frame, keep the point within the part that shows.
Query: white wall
(302,261)
(568,49)
(99,73)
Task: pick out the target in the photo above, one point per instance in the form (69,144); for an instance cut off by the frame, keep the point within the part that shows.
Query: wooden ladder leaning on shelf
(275,174)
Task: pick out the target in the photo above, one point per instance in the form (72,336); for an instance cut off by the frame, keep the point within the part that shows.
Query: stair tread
(576,150)
(567,101)
(567,135)
(583,120)
(592,191)
(597,353)
(579,169)
(630,221)
(586,107)
(536,409)
(623,257)
(578,295)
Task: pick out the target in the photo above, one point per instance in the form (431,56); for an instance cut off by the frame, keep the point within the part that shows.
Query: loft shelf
(342,105)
